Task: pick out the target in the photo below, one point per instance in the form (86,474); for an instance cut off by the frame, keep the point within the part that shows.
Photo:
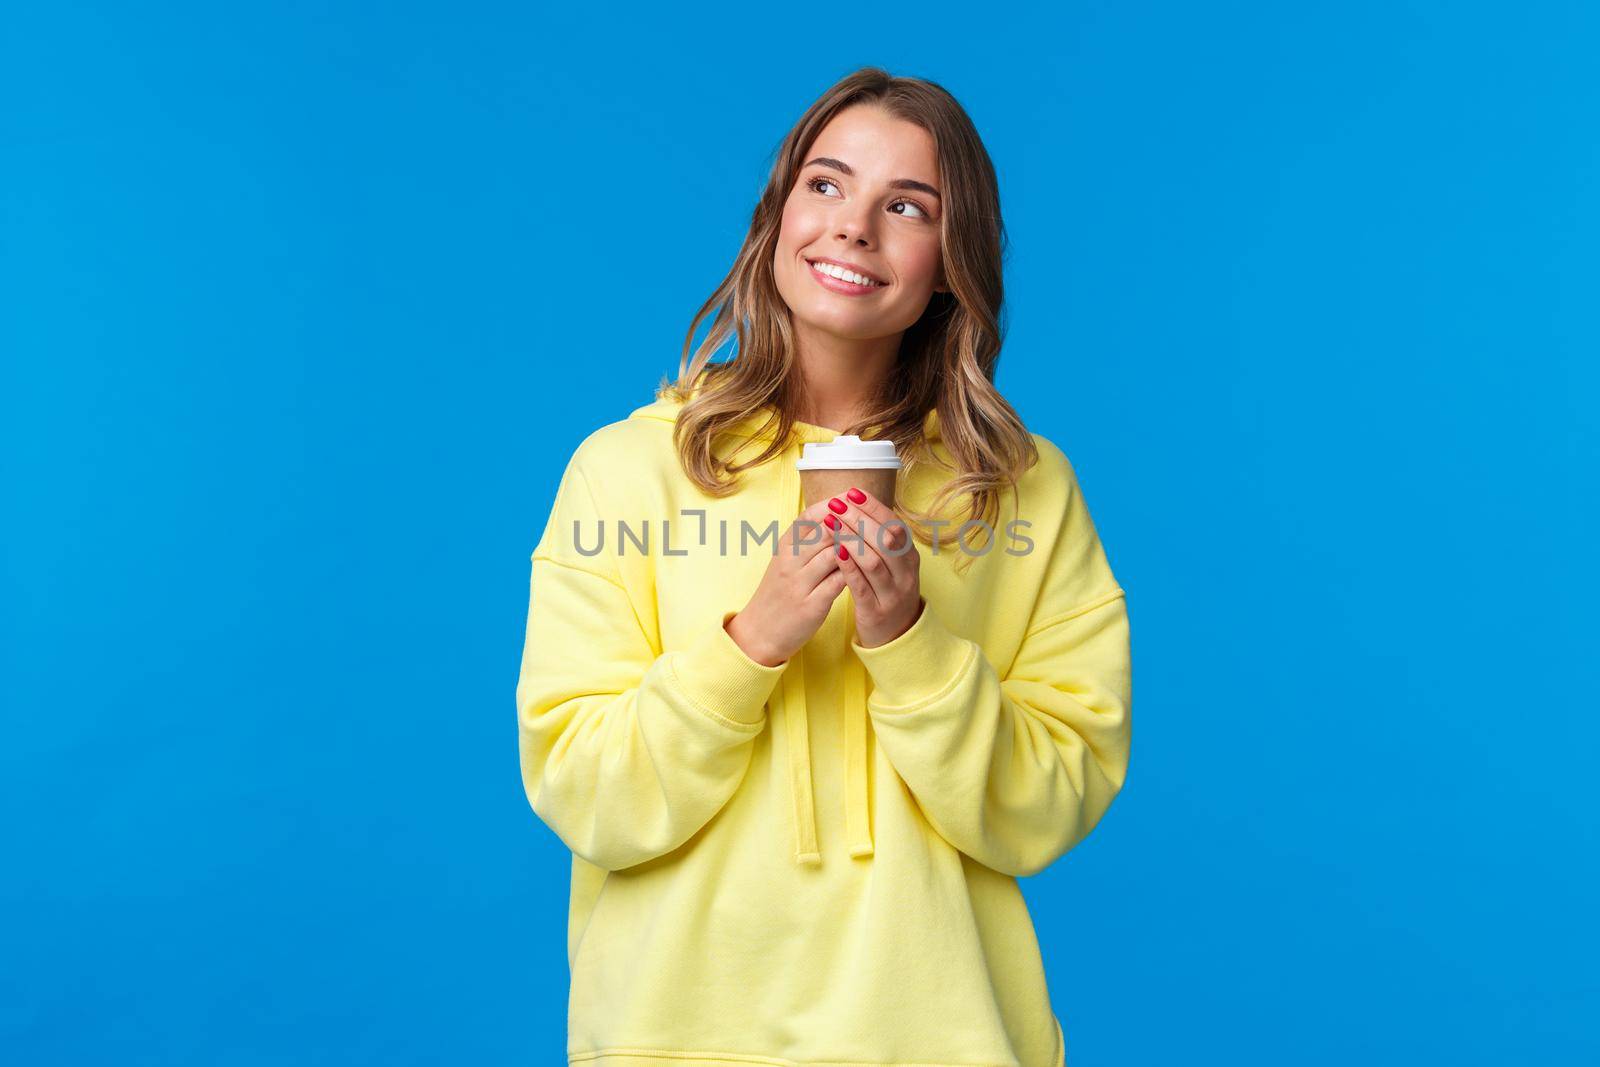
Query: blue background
(304,308)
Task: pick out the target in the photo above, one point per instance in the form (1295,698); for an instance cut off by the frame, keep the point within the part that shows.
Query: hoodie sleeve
(1015,766)
(626,751)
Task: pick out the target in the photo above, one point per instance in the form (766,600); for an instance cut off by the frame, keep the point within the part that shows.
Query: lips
(874,280)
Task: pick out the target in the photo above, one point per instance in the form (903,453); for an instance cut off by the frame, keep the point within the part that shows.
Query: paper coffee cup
(829,468)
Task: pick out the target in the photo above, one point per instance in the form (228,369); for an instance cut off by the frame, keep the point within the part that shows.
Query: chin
(846,329)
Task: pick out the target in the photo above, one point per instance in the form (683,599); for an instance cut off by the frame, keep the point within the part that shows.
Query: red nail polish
(838,505)
(857,495)
(842,553)
(830,521)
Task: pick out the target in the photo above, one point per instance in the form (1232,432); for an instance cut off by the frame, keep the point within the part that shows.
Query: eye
(814,183)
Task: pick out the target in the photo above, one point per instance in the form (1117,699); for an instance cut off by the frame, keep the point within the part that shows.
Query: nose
(856,226)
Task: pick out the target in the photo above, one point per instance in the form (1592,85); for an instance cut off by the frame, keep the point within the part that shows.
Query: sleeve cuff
(917,666)
(725,682)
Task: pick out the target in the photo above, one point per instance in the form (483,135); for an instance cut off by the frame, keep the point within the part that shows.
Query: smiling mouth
(842,280)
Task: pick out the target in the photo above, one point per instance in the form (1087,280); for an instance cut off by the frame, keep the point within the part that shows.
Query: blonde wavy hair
(947,358)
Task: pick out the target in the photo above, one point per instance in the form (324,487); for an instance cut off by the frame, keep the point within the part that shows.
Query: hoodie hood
(790,695)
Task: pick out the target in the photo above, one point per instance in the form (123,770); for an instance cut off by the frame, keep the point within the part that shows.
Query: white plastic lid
(848,452)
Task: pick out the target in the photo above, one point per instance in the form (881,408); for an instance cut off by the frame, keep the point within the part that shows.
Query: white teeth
(842,274)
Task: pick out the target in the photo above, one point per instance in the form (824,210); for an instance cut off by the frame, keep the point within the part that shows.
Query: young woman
(800,775)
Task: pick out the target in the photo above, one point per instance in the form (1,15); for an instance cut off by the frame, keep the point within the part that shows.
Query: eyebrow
(899,183)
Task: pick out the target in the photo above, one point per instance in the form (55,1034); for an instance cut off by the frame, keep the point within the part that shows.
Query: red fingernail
(830,522)
(842,553)
(838,505)
(857,495)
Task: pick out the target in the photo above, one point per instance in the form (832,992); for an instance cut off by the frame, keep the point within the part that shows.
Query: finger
(887,531)
(851,535)
(860,588)
(830,586)
(886,552)
(876,509)
(806,538)
(814,570)
(807,535)
(866,557)
(822,515)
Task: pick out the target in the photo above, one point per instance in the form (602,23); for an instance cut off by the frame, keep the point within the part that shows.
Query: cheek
(793,228)
(919,264)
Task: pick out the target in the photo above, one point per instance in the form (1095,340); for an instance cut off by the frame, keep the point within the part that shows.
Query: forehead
(876,144)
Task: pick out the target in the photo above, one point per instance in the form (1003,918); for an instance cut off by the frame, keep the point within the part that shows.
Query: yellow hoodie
(839,889)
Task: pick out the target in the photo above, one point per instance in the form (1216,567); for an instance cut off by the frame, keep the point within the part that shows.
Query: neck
(838,376)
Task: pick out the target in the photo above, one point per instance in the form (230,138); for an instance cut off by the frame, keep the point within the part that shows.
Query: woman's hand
(796,592)
(880,565)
